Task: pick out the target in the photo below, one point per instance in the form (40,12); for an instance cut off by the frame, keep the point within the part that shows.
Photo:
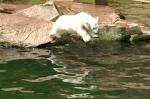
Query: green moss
(25,1)
(89,1)
(86,1)
(113,33)
(103,2)
(34,1)
(135,30)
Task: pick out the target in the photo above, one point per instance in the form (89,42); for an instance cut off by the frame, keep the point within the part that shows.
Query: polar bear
(82,23)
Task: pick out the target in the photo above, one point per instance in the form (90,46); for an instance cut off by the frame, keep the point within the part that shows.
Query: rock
(121,33)
(111,18)
(69,7)
(27,29)
(143,1)
(135,30)
(113,33)
(45,11)
(19,30)
(145,30)
(142,37)
(7,8)
(101,2)
(12,8)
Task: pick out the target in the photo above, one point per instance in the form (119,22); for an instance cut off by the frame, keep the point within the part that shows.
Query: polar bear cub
(82,23)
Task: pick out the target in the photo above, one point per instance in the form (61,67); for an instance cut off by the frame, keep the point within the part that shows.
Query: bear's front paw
(95,35)
(86,38)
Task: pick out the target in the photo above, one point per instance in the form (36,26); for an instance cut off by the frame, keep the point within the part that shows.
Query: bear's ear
(86,26)
(97,19)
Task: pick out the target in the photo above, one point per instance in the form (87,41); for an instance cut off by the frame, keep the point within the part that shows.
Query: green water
(107,71)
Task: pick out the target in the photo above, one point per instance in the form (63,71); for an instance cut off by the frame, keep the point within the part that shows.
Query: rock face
(28,27)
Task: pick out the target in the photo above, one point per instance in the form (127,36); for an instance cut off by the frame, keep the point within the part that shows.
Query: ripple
(135,85)
(20,89)
(91,88)
(2,71)
(40,79)
(82,95)
(12,89)
(76,79)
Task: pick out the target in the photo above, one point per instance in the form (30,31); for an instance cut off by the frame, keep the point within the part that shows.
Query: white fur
(75,24)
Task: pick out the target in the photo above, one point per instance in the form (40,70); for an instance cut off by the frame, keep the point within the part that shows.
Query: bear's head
(92,26)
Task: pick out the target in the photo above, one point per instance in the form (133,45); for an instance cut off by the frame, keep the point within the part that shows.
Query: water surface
(106,71)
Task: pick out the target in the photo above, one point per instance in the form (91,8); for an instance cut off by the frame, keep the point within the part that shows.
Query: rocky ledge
(28,26)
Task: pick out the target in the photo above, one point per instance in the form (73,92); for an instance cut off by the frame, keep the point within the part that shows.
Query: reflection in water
(107,71)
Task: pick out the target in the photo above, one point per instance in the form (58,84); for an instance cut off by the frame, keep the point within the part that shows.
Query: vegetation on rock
(24,1)
(103,2)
